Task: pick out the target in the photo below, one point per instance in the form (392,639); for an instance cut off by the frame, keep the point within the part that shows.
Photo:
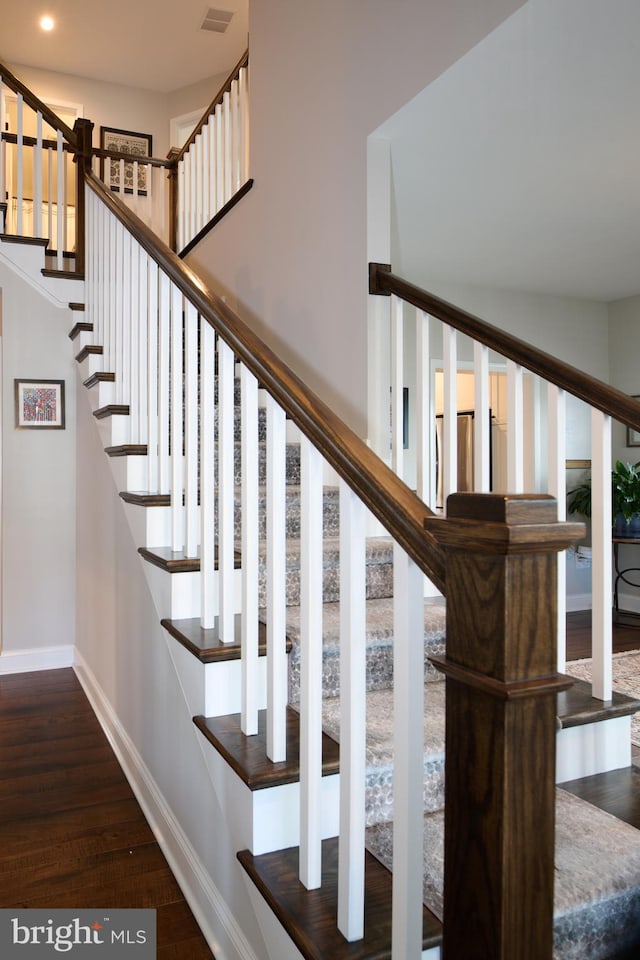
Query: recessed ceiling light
(47,23)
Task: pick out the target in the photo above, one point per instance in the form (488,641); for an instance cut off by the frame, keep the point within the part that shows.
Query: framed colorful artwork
(124,141)
(39,404)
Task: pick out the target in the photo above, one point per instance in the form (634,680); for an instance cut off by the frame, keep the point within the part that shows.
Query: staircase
(597,857)
(287,567)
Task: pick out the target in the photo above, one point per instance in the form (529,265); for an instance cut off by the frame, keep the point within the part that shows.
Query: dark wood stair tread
(127,450)
(64,274)
(112,410)
(577,706)
(30,241)
(82,325)
(141,498)
(76,306)
(247,756)
(100,376)
(176,561)
(205,644)
(91,349)
(309,916)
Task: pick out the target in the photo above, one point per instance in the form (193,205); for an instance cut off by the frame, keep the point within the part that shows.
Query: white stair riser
(91,364)
(130,473)
(83,339)
(115,430)
(150,526)
(177,595)
(213,689)
(269,819)
(100,395)
(593,748)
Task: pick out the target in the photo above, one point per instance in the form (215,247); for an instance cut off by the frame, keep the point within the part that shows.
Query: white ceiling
(151,44)
(519,168)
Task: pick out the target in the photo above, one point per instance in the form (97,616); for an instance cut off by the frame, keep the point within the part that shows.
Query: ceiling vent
(216,20)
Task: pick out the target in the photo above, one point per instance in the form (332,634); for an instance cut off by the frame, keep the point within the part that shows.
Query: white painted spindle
(481,421)
(37,179)
(19,163)
(192,532)
(515,438)
(397,384)
(310,666)
(61,213)
(249,474)
(601,563)
(208,596)
(425,423)
(177,423)
(152,377)
(164,392)
(276,583)
(448,456)
(557,485)
(352,715)
(408,769)
(226,492)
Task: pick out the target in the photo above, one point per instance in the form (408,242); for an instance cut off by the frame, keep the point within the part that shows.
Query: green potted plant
(625,499)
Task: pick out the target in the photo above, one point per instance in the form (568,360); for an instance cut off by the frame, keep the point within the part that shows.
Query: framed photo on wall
(124,141)
(39,404)
(633,436)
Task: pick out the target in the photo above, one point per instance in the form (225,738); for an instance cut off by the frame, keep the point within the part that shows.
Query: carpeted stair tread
(597,879)
(380,748)
(379,570)
(379,613)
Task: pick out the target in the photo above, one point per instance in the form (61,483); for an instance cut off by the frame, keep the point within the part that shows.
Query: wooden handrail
(226,86)
(36,104)
(33,142)
(397,507)
(595,392)
(119,155)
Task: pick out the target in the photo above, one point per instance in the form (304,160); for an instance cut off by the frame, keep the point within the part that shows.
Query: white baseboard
(203,897)
(28,661)
(578,601)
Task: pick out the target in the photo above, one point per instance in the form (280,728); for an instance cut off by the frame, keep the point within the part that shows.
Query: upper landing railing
(180,197)
(517,442)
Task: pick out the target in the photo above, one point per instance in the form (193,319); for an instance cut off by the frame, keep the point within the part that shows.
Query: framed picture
(124,141)
(39,404)
(633,436)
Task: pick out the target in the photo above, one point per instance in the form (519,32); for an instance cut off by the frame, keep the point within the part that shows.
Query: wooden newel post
(502,682)
(83,129)
(172,177)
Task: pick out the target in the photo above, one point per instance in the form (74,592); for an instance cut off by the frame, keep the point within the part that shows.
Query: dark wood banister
(226,86)
(397,507)
(595,392)
(36,104)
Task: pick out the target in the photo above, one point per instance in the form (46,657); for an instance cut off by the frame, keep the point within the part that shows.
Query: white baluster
(37,179)
(19,164)
(191,430)
(219,121)
(226,112)
(424,412)
(211,171)
(61,212)
(310,666)
(515,438)
(176,429)
(50,236)
(601,565)
(235,138)
(482,423)
(118,310)
(133,339)
(408,769)
(397,384)
(249,467)
(557,483)
(188,196)
(226,498)
(143,345)
(182,206)
(352,715)
(153,483)
(126,316)
(276,583)
(164,391)
(243,147)
(209,605)
(197,185)
(205,143)
(448,456)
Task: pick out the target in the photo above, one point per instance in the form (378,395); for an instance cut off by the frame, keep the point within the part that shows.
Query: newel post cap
(503,523)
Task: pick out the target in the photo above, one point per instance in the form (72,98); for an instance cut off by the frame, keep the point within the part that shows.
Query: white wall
(293,253)
(38,504)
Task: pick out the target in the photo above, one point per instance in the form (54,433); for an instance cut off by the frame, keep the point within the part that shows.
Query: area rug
(625,677)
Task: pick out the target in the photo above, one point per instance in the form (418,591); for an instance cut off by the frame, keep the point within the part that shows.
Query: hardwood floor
(625,637)
(71,831)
